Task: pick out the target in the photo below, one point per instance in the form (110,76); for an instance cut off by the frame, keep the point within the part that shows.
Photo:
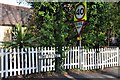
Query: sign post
(80,17)
(79,26)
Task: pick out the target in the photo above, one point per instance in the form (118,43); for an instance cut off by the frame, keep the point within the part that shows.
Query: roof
(11,15)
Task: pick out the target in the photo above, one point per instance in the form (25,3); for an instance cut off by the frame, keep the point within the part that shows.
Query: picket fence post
(102,58)
(117,56)
(2,64)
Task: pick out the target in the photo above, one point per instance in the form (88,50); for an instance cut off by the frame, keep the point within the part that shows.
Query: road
(106,73)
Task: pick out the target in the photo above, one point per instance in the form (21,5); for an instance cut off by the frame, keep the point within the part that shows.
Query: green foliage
(53,24)
(50,21)
(21,38)
(102,17)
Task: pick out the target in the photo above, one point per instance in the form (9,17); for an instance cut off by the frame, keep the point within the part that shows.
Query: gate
(72,57)
(47,58)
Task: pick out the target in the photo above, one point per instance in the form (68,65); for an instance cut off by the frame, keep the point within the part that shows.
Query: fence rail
(42,59)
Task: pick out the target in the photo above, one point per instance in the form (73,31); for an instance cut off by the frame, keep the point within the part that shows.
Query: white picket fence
(46,59)
(15,62)
(42,59)
(105,57)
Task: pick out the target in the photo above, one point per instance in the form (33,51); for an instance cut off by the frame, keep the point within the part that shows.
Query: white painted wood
(45,61)
(29,59)
(79,61)
(117,56)
(53,59)
(33,60)
(102,58)
(107,57)
(14,56)
(22,61)
(18,53)
(2,62)
(93,58)
(6,61)
(76,59)
(72,56)
(88,58)
(112,59)
(41,61)
(10,62)
(68,67)
(48,60)
(36,54)
(83,59)
(26,61)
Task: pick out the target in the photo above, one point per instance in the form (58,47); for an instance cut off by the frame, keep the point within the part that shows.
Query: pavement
(113,72)
(75,74)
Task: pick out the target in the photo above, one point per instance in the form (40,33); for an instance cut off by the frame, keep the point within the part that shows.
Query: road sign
(79,38)
(80,12)
(79,26)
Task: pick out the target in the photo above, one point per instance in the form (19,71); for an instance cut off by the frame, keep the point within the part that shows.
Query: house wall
(5,34)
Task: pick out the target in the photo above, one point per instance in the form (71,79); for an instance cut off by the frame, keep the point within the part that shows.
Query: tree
(100,20)
(50,24)
(53,23)
(50,21)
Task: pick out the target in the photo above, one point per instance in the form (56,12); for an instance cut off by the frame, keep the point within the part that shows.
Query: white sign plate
(80,11)
(79,26)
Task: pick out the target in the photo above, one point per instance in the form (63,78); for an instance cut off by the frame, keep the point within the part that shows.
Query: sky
(14,2)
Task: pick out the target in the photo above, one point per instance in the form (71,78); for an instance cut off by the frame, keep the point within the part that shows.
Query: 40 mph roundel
(80,12)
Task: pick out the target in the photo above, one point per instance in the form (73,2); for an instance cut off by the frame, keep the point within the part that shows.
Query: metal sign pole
(80,16)
(80,41)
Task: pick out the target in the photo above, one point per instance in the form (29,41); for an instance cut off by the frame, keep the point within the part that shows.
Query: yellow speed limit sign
(80,12)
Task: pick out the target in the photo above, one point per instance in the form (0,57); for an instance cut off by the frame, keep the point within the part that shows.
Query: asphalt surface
(106,74)
(113,73)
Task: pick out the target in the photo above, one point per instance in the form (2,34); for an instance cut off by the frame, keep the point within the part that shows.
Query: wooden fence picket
(22,61)
(117,56)
(36,54)
(33,60)
(14,57)
(42,59)
(2,62)
(29,54)
(18,53)
(6,63)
